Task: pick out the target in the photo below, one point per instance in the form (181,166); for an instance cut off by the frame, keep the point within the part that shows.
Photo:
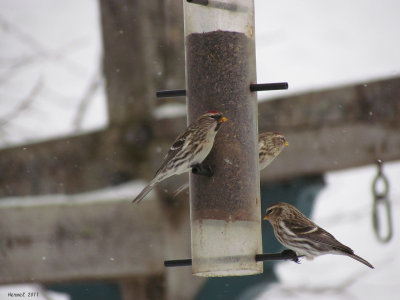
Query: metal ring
(376,221)
(383,178)
(381,198)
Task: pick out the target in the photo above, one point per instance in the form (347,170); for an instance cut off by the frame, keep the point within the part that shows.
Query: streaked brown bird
(190,148)
(298,233)
(270,144)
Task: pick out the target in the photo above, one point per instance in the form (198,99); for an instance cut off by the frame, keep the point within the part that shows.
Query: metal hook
(380,198)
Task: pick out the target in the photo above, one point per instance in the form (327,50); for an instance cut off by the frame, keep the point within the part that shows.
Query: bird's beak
(266,218)
(222,120)
(286,143)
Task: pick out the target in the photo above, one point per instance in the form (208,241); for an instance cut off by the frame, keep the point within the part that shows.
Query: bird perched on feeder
(189,150)
(298,233)
(270,144)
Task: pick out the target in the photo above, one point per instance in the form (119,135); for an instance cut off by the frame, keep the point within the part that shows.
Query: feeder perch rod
(284,255)
(254,87)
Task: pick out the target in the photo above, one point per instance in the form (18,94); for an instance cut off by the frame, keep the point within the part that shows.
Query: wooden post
(145,288)
(133,39)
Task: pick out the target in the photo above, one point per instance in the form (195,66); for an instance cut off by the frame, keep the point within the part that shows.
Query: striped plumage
(190,148)
(270,144)
(298,233)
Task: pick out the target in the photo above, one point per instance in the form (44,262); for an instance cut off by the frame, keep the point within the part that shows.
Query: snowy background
(51,85)
(50,69)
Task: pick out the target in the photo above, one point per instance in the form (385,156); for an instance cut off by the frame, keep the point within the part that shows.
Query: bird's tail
(144,192)
(356,257)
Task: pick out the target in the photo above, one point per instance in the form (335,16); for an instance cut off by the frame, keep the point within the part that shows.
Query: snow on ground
(344,209)
(122,192)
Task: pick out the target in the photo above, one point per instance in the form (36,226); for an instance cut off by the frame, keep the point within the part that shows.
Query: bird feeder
(220,67)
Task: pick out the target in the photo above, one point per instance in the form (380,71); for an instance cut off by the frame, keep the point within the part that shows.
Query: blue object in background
(88,291)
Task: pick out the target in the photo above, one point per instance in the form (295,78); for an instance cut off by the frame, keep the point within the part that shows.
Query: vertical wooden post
(145,288)
(133,39)
(133,57)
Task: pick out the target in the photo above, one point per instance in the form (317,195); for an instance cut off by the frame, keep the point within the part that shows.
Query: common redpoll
(270,144)
(189,149)
(296,232)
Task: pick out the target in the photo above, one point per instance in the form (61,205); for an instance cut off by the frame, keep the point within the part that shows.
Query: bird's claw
(204,170)
(290,254)
(295,259)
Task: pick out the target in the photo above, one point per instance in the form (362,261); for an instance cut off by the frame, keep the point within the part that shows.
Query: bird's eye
(268,211)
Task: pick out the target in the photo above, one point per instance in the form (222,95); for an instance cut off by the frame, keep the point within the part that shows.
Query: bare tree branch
(90,91)
(39,52)
(24,104)
(21,35)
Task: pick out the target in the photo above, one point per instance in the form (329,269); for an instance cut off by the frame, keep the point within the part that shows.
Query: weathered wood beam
(75,164)
(327,130)
(83,237)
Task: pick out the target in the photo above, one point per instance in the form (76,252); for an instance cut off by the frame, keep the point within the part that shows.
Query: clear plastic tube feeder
(220,66)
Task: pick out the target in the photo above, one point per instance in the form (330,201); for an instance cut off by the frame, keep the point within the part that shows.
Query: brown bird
(190,148)
(298,233)
(270,144)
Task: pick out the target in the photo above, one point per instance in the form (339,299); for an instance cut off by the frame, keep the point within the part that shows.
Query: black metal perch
(215,4)
(199,2)
(284,255)
(170,93)
(254,87)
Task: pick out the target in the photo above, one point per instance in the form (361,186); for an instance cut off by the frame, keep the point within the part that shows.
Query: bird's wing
(299,227)
(315,233)
(174,149)
(324,237)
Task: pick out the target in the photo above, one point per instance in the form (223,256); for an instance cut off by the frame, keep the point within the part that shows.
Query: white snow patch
(123,192)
